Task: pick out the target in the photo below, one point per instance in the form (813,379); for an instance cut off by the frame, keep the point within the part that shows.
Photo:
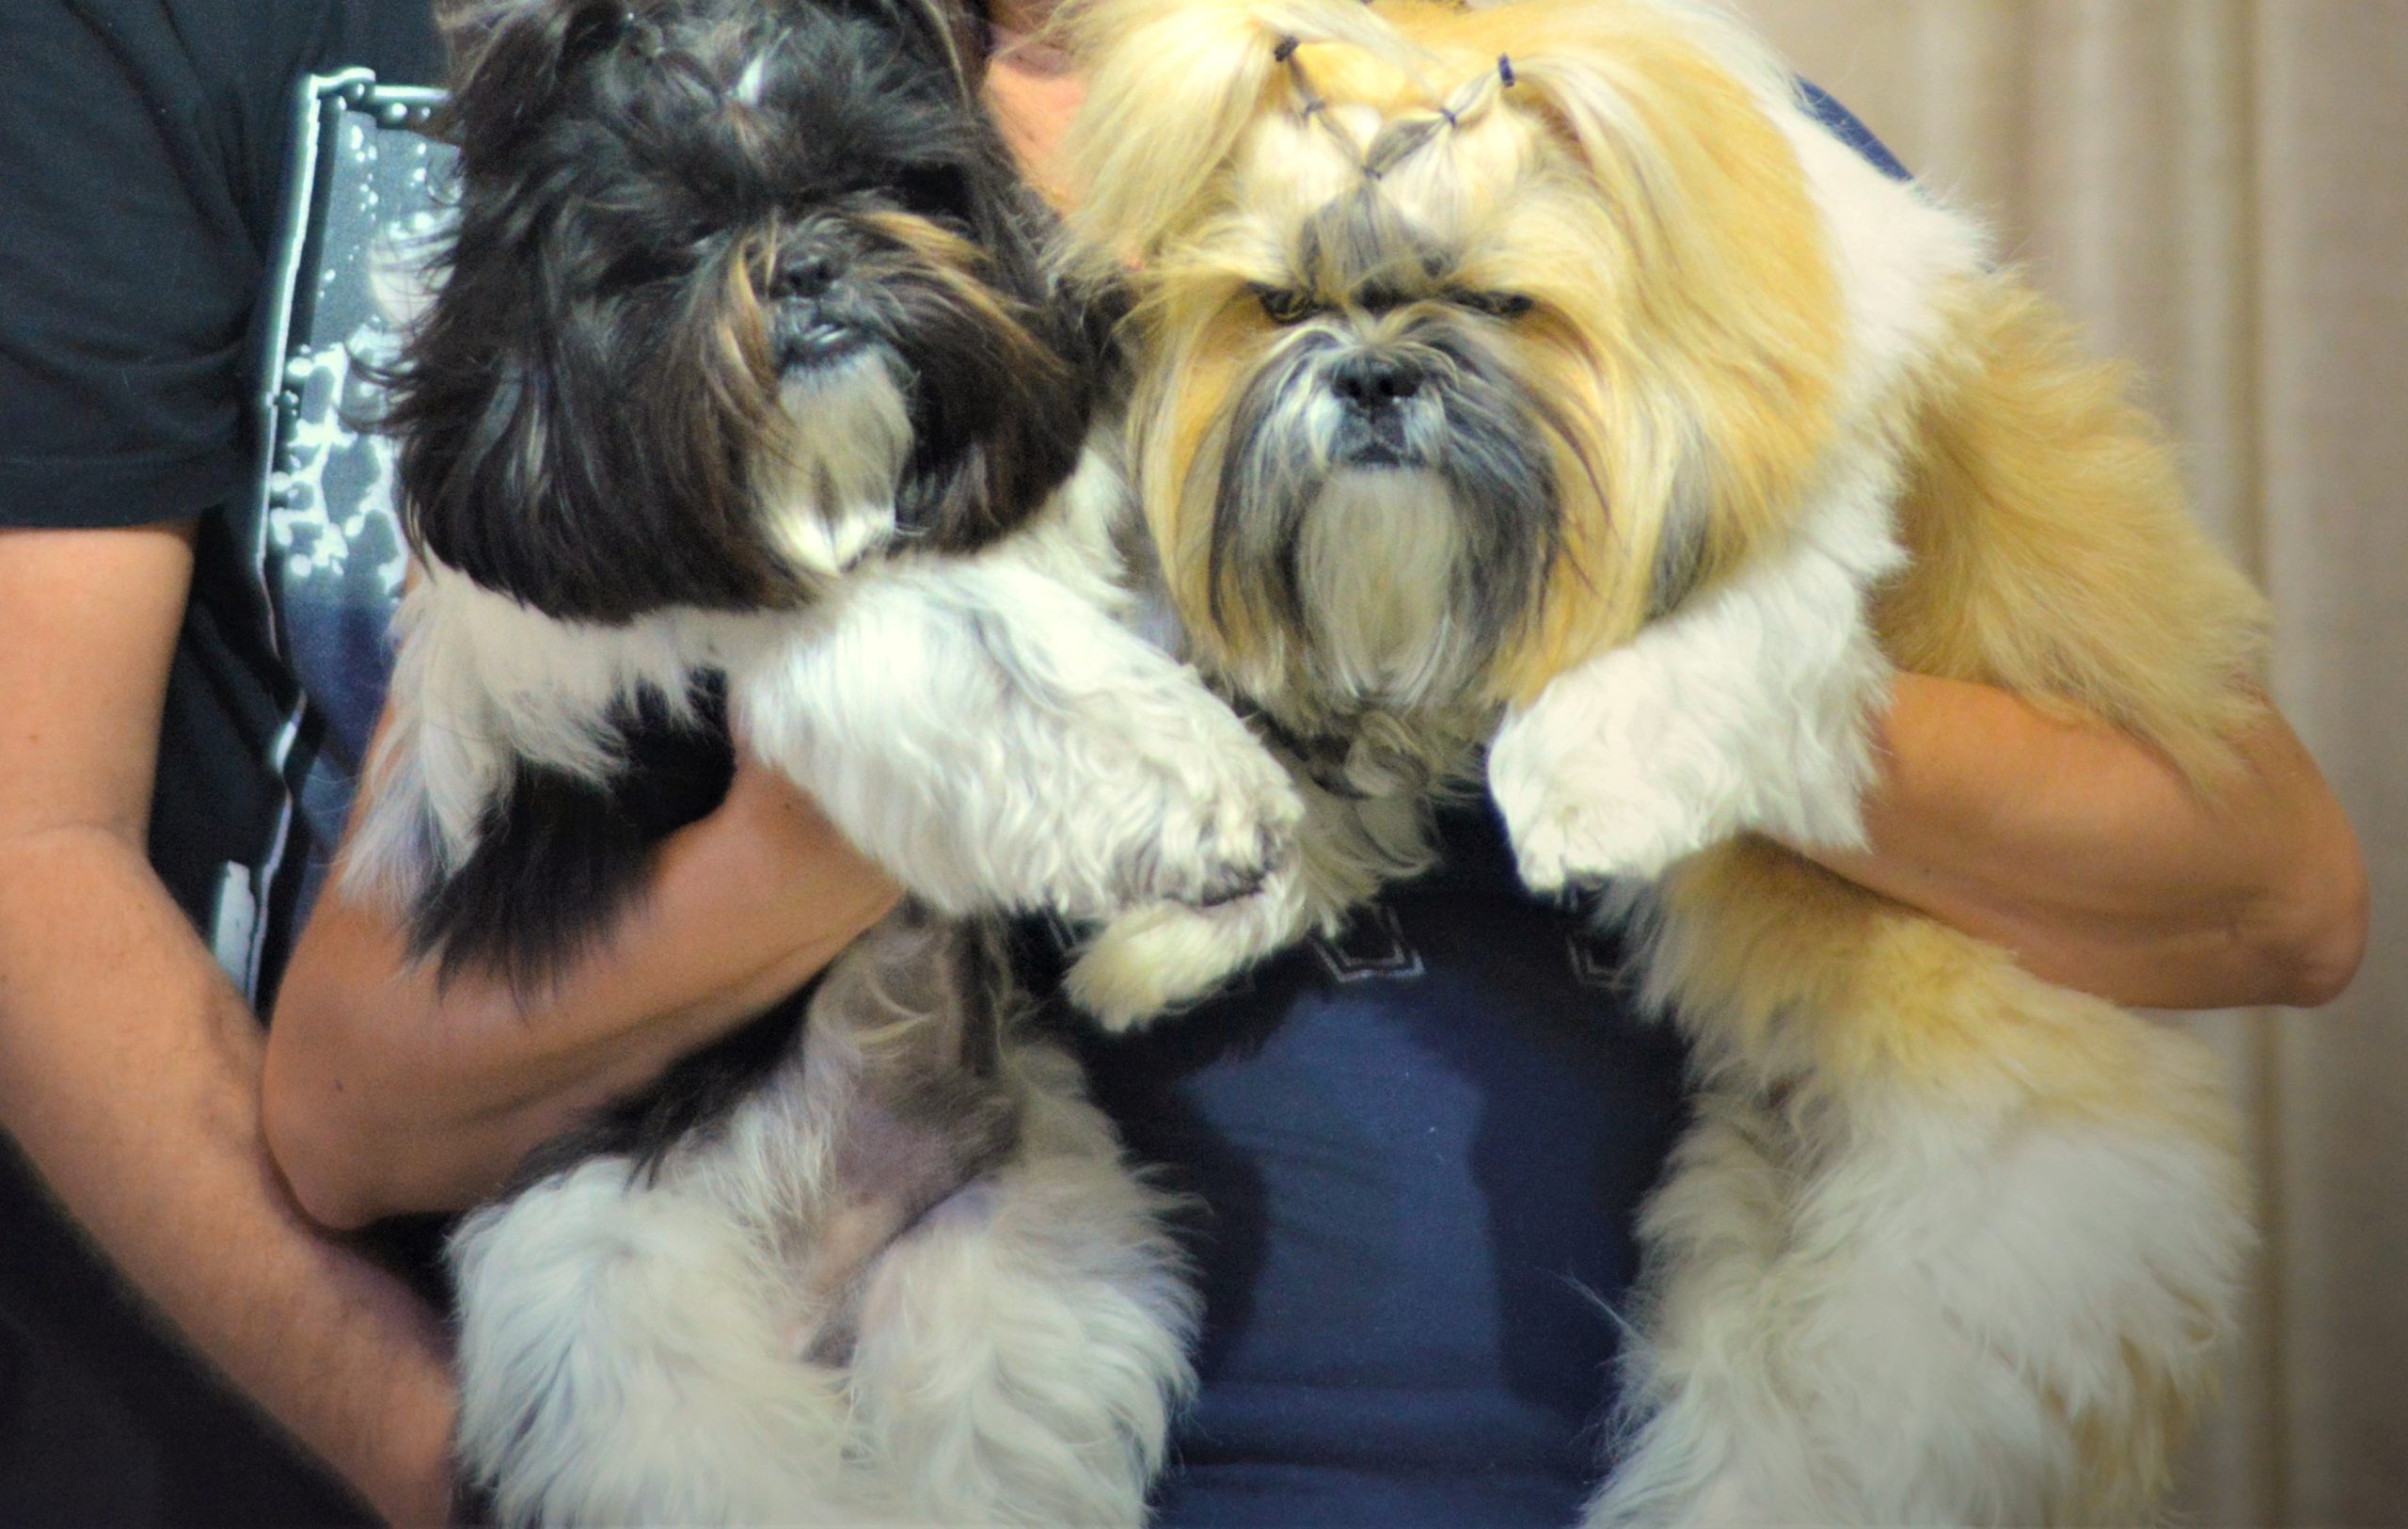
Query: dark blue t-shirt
(1417,1153)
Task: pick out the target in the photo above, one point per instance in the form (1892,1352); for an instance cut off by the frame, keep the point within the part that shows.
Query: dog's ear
(1005,364)
(1019,425)
(499,419)
(1171,86)
(1690,331)
(510,60)
(545,457)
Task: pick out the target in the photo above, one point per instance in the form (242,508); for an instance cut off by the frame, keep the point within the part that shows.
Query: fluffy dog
(743,389)
(1544,379)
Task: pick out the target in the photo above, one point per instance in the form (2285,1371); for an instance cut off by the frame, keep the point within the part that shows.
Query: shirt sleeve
(128,271)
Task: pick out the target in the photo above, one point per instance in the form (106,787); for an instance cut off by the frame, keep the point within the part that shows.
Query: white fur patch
(621,1362)
(1894,250)
(634,1351)
(1745,709)
(1914,1312)
(993,738)
(481,681)
(832,504)
(1023,1348)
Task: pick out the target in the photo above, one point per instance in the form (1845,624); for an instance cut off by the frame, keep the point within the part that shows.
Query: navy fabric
(1848,129)
(1417,1153)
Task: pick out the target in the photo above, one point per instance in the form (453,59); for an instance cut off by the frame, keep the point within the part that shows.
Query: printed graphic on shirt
(1371,944)
(366,199)
(330,548)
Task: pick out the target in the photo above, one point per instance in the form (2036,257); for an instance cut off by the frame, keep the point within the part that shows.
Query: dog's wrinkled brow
(1362,245)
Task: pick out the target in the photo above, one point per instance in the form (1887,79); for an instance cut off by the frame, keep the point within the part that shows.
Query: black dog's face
(743,291)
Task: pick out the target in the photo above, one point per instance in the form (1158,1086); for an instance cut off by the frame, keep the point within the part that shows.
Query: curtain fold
(2219,190)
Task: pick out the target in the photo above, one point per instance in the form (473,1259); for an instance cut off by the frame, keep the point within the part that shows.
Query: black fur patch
(1680,565)
(1269,483)
(1495,463)
(558,859)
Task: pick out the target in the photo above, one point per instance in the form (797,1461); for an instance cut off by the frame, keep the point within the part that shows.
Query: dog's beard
(826,484)
(1384,517)
(1385,625)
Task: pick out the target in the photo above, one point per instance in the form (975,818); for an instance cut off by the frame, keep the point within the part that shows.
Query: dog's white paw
(1561,837)
(1220,845)
(1203,825)
(1595,812)
(1151,962)
(1154,960)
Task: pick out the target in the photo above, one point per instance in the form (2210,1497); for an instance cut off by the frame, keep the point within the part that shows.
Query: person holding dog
(220,1173)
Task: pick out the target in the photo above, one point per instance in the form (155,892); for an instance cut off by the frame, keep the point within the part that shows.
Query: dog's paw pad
(1561,844)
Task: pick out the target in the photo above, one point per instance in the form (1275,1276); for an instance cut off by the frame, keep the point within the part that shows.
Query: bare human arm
(388,1094)
(129,1065)
(2089,856)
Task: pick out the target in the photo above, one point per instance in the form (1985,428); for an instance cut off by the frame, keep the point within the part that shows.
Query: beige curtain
(2219,188)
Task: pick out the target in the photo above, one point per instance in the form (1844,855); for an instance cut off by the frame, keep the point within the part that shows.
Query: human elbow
(313,1136)
(2314,933)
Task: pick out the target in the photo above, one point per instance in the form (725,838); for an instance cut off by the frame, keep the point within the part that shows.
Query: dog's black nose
(1371,381)
(806,276)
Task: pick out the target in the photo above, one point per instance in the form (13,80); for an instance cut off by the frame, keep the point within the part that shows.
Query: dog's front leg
(1155,959)
(1747,709)
(994,741)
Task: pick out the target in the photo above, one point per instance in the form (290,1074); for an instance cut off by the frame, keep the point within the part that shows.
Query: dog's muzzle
(1380,396)
(817,322)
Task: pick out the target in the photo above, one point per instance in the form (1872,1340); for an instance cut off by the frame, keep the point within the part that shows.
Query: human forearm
(130,1074)
(2089,856)
(388,1093)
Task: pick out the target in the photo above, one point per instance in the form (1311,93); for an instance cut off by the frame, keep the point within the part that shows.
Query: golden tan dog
(1544,379)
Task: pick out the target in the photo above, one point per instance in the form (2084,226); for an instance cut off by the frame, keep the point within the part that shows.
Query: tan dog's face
(1369,464)
(1475,348)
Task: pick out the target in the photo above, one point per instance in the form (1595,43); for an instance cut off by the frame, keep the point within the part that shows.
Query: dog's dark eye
(933,191)
(646,267)
(1496,305)
(1283,305)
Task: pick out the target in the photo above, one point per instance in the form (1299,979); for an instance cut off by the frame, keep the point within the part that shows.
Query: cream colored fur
(1946,1245)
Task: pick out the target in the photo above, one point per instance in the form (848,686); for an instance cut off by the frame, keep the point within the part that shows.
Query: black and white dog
(744,386)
